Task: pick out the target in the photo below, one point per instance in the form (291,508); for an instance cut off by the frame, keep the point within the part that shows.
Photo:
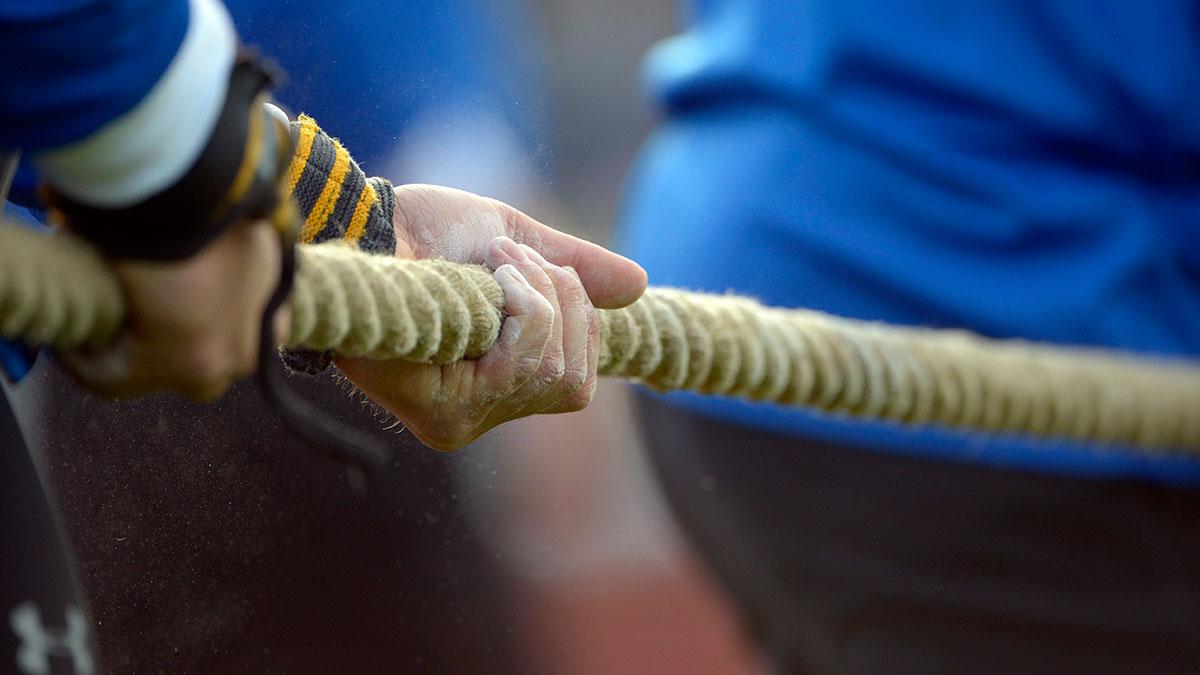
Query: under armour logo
(39,643)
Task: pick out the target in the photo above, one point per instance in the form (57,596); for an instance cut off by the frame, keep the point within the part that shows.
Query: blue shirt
(71,66)
(1017,168)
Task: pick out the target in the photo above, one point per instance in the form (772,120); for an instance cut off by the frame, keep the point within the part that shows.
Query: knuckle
(580,399)
(574,378)
(566,283)
(572,279)
(541,281)
(526,366)
(543,309)
(574,300)
(551,371)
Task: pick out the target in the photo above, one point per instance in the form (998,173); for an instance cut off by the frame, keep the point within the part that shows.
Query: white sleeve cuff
(152,146)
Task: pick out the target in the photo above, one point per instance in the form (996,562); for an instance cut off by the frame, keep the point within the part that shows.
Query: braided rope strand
(58,291)
(732,346)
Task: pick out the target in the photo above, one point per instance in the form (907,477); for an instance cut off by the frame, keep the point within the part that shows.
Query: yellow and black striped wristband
(335,197)
(337,201)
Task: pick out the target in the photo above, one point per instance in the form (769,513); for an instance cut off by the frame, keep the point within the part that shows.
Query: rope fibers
(56,290)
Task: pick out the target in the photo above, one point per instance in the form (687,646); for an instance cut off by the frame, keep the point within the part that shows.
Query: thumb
(610,279)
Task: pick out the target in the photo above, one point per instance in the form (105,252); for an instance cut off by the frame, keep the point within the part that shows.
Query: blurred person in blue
(1023,169)
(208,538)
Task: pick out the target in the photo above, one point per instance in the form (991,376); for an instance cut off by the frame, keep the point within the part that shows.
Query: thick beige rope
(60,293)
(56,290)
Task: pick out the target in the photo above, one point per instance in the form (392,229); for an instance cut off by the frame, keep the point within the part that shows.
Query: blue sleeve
(68,67)
(23,191)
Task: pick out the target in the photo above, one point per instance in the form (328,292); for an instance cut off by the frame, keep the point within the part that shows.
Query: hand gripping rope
(55,290)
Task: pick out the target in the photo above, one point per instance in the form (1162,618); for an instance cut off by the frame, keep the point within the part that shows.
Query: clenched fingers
(524,336)
(564,379)
(569,394)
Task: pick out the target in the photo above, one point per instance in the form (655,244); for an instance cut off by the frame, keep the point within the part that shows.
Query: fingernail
(512,250)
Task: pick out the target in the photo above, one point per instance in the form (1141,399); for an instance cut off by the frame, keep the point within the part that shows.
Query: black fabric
(380,233)
(315,174)
(208,540)
(343,209)
(179,221)
(306,361)
(35,579)
(847,561)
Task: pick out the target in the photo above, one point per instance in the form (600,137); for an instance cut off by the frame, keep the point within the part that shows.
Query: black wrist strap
(228,181)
